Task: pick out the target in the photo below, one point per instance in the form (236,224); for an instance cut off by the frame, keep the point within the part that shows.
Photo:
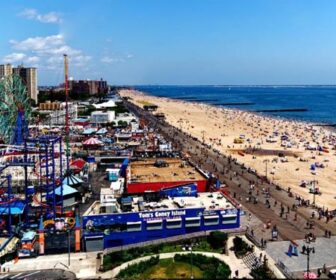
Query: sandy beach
(286,148)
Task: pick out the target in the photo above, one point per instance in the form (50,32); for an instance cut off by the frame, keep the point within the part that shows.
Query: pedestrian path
(37,275)
(82,264)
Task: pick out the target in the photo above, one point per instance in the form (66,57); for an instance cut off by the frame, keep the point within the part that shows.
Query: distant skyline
(174,42)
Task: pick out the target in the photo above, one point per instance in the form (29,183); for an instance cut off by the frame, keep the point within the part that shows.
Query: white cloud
(51,17)
(111,59)
(32,59)
(39,44)
(21,58)
(14,57)
(47,51)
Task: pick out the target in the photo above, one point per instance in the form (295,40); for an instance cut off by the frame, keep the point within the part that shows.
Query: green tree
(217,239)
(223,271)
(262,272)
(241,248)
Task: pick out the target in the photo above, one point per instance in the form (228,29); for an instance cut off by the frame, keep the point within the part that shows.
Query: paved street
(81,264)
(39,274)
(325,249)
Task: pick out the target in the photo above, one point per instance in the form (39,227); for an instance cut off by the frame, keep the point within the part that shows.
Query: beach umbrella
(89,131)
(92,142)
(107,140)
(102,131)
(312,167)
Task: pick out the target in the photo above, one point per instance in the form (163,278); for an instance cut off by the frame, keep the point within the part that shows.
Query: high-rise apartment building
(5,70)
(29,78)
(91,87)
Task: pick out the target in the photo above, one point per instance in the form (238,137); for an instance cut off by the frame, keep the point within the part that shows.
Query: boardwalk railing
(284,269)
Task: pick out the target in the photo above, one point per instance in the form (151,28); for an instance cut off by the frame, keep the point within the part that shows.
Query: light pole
(308,250)
(190,248)
(314,192)
(68,247)
(266,161)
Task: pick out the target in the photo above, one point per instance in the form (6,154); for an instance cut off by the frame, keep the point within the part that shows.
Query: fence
(284,269)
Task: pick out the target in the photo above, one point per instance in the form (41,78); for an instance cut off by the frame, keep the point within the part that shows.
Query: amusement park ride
(31,166)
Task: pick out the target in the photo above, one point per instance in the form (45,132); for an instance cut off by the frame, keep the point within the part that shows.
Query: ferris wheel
(15,110)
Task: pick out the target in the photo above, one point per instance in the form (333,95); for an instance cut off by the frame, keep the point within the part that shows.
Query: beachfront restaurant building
(113,222)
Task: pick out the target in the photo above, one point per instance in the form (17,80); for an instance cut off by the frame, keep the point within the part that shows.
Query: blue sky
(181,42)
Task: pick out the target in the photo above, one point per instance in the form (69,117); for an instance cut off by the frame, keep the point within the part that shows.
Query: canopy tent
(72,180)
(16,208)
(89,131)
(77,164)
(102,131)
(92,142)
(67,190)
(107,140)
(133,143)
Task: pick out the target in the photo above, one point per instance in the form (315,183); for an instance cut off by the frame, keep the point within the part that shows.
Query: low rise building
(155,174)
(100,117)
(125,220)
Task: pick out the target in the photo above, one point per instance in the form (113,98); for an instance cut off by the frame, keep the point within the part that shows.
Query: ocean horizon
(309,103)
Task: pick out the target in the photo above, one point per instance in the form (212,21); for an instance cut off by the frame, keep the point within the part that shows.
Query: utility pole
(308,250)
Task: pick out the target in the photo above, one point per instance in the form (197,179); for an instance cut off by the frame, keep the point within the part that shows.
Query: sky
(173,42)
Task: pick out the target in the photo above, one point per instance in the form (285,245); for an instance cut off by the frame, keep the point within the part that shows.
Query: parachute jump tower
(67,131)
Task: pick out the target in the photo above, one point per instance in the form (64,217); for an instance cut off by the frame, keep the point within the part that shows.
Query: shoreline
(328,126)
(331,126)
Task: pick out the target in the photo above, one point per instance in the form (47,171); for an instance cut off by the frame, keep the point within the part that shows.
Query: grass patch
(169,269)
(178,267)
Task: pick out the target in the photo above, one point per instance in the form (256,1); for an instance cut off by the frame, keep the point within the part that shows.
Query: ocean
(316,103)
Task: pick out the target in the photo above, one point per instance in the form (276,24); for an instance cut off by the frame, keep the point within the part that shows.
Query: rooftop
(176,169)
(209,201)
